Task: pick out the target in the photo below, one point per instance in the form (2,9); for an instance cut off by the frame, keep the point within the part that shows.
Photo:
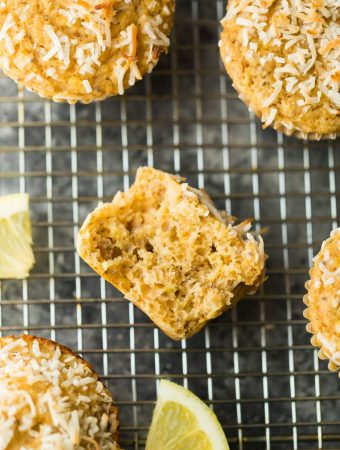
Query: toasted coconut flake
(309,34)
(26,367)
(270,118)
(87,86)
(96,20)
(8,24)
(274,95)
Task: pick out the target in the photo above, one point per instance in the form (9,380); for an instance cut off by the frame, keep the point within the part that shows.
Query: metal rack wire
(254,365)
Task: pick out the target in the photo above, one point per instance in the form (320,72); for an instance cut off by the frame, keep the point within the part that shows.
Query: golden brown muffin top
(51,398)
(323,300)
(283,56)
(82,49)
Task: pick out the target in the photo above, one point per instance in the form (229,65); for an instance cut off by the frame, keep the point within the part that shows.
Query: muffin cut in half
(51,398)
(168,250)
(323,301)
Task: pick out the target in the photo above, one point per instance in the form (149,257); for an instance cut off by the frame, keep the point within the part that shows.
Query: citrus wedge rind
(182,421)
(16,255)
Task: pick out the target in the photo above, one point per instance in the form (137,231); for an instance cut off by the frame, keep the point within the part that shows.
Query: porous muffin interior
(51,398)
(165,250)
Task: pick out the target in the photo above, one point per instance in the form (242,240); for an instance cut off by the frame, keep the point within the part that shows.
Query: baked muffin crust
(82,50)
(283,57)
(167,249)
(323,301)
(51,398)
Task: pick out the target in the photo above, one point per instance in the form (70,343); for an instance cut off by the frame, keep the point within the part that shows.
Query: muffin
(167,248)
(82,50)
(323,301)
(283,59)
(51,398)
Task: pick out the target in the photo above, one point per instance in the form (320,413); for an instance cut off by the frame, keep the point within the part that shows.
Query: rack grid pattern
(254,365)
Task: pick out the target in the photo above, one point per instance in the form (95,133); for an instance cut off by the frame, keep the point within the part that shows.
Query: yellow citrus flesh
(16,255)
(181,421)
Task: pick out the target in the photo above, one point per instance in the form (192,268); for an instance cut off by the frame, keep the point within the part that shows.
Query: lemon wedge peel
(16,255)
(204,423)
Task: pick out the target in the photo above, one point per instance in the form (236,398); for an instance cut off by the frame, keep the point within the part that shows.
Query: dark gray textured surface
(184,117)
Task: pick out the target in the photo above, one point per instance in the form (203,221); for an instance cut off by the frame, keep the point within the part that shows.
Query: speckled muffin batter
(283,57)
(82,50)
(50,398)
(323,301)
(166,247)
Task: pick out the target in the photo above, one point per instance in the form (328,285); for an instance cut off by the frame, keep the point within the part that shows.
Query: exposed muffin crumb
(167,248)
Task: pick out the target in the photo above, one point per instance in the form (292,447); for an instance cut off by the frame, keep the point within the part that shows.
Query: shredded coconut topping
(52,399)
(323,298)
(330,272)
(87,86)
(98,20)
(328,345)
(299,41)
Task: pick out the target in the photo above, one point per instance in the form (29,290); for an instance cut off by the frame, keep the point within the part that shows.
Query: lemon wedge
(16,255)
(181,421)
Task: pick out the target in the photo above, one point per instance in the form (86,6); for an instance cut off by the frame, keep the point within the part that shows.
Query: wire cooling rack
(254,365)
